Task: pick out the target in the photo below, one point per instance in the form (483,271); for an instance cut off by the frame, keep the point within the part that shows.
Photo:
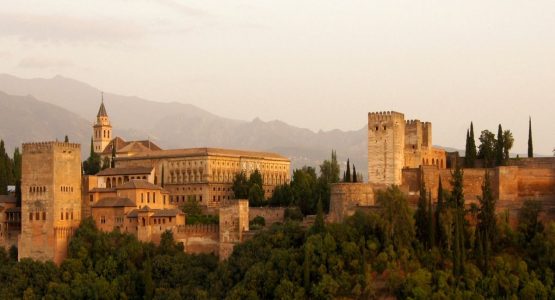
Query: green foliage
(348,172)
(487,227)
(194,214)
(92,165)
(508,142)
(499,151)
(487,148)
(293,214)
(470,150)
(251,188)
(257,223)
(396,217)
(421,217)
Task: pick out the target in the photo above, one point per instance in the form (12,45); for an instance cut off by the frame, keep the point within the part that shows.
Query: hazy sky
(316,64)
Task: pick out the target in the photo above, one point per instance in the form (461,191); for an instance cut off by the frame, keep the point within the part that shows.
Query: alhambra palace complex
(143,193)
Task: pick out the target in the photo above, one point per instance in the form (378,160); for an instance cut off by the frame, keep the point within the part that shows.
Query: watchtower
(386,144)
(51,199)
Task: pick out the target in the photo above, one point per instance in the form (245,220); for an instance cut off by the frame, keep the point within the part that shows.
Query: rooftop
(125,171)
(139,184)
(115,202)
(191,152)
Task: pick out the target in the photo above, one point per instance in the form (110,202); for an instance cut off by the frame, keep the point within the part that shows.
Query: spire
(102,110)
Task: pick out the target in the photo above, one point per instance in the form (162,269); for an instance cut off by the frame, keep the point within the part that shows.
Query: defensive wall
(511,185)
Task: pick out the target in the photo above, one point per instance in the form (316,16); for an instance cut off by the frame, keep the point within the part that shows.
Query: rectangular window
(62,215)
(148,197)
(154,197)
(142,198)
(43,215)
(30,216)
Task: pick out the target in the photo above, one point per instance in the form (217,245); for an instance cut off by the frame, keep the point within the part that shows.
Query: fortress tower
(386,145)
(51,199)
(102,130)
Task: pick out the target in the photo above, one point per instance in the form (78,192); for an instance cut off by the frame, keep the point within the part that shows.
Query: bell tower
(102,130)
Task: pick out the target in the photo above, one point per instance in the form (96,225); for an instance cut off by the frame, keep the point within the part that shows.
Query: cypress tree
(421,216)
(471,154)
(66,139)
(354,173)
(458,200)
(348,172)
(430,223)
(499,153)
(3,170)
(113,160)
(486,221)
(530,144)
(439,210)
(467,150)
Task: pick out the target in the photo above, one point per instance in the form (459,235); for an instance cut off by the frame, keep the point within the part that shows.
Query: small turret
(102,130)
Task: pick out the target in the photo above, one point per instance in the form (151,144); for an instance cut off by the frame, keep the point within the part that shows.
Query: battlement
(198,228)
(413,122)
(48,145)
(385,116)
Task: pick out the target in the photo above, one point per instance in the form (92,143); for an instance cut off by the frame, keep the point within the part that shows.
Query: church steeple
(102,130)
(102,110)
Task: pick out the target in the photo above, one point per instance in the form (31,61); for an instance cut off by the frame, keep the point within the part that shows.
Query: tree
(319,225)
(355,179)
(421,216)
(487,148)
(105,163)
(431,224)
(457,198)
(4,169)
(508,142)
(66,139)
(348,172)
(329,169)
(113,159)
(439,209)
(529,224)
(530,143)
(470,153)
(256,195)
(256,178)
(240,186)
(499,148)
(487,226)
(398,224)
(91,166)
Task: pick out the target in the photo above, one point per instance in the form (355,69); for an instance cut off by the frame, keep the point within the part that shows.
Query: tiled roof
(168,212)
(115,202)
(206,152)
(124,171)
(157,212)
(7,199)
(123,146)
(102,111)
(138,184)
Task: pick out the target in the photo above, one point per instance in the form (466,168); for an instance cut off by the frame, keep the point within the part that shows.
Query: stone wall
(234,220)
(199,238)
(270,214)
(347,197)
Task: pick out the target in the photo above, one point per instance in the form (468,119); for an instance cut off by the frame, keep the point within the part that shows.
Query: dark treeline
(493,150)
(434,252)
(10,171)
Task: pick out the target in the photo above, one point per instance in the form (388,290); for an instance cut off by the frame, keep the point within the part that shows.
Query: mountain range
(48,108)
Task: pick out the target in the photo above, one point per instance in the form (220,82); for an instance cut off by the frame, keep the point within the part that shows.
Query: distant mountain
(171,125)
(25,119)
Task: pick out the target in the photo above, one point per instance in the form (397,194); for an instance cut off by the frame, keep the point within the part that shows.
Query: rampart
(198,238)
(270,214)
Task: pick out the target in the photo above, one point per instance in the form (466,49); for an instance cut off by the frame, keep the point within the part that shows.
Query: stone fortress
(400,152)
(142,194)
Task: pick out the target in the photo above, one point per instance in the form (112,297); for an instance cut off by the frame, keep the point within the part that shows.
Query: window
(30,216)
(62,215)
(154,197)
(90,198)
(142,198)
(43,216)
(37,216)
(102,220)
(67,215)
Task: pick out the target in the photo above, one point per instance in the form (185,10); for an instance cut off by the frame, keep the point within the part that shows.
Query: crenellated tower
(51,199)
(386,145)
(102,130)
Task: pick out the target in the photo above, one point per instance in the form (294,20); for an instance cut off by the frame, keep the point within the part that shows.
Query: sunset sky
(315,64)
